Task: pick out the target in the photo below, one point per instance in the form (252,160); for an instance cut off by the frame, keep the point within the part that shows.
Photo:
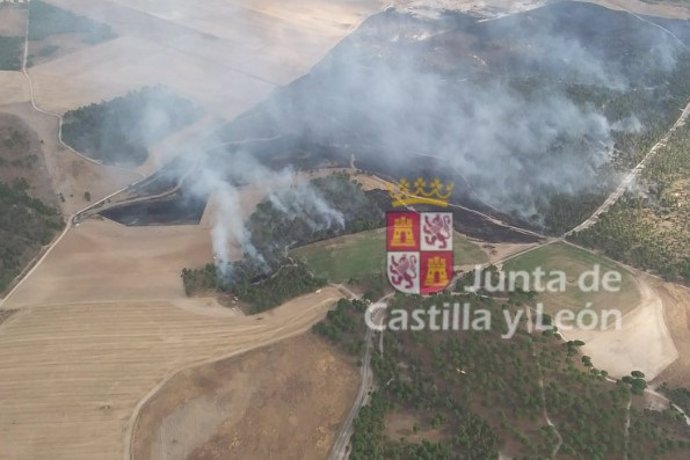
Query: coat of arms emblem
(420,244)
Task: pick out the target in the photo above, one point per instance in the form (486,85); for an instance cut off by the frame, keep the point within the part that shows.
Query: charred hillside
(532,115)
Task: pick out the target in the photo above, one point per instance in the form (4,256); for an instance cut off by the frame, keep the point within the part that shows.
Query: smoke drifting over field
(515,111)
(516,107)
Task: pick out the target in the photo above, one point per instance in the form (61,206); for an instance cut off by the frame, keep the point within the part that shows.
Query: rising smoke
(488,101)
(491,101)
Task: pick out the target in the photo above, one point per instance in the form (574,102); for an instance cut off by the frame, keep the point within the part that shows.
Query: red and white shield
(420,251)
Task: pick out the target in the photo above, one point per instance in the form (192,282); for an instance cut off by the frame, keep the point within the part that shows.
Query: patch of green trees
(26,224)
(121,130)
(482,394)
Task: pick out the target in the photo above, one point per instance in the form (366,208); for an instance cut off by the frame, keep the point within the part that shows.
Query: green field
(346,257)
(574,261)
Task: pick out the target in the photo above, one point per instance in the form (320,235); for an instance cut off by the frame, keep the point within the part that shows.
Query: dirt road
(631,176)
(340,450)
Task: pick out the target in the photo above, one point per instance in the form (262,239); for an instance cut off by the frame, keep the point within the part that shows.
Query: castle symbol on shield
(420,244)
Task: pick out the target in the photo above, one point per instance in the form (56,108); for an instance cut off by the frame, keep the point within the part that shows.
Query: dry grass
(13,88)
(12,20)
(264,403)
(103,260)
(225,56)
(72,375)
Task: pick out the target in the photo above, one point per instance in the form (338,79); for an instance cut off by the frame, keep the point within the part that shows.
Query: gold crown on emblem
(436,195)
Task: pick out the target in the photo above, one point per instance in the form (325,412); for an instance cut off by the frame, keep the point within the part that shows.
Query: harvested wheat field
(267,403)
(12,20)
(118,66)
(72,375)
(242,54)
(103,260)
(13,87)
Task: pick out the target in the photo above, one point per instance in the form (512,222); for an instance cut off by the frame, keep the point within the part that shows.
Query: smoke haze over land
(517,107)
(515,111)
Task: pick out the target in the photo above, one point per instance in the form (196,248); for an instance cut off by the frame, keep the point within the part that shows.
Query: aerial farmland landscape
(332,229)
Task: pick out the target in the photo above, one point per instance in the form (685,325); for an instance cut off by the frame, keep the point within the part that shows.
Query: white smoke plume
(286,190)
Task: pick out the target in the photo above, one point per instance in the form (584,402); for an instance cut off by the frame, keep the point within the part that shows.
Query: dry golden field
(265,403)
(73,374)
(224,55)
(103,260)
(13,88)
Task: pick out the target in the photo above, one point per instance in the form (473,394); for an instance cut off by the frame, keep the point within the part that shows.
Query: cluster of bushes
(287,282)
(291,279)
(345,326)
(680,396)
(200,281)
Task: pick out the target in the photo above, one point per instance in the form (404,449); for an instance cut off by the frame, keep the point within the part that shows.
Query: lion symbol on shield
(438,228)
(403,270)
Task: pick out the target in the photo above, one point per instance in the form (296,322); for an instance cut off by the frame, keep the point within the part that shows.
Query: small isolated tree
(587,361)
(638,386)
(637,374)
(87,196)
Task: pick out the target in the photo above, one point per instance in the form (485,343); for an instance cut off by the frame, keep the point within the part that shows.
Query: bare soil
(677,314)
(644,342)
(267,403)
